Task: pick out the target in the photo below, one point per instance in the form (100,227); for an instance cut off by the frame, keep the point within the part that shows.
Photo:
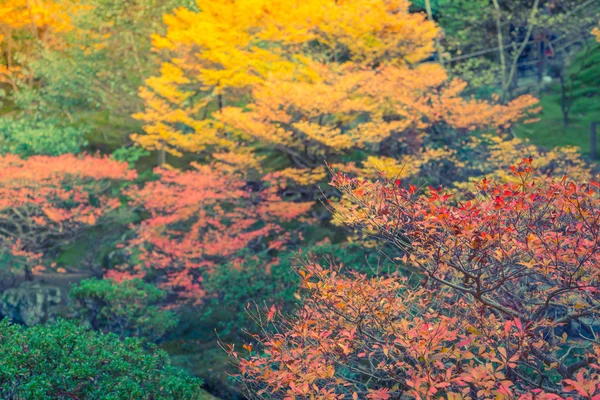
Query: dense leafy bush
(27,137)
(63,361)
(508,306)
(49,202)
(129,308)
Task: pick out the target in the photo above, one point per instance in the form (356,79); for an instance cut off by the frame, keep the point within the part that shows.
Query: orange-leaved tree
(46,202)
(200,219)
(506,305)
(390,338)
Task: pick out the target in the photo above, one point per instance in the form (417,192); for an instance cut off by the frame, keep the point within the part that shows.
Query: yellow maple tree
(395,113)
(347,82)
(25,24)
(218,55)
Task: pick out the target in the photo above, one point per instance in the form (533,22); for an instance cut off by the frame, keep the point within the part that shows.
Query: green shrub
(231,288)
(64,361)
(28,137)
(129,308)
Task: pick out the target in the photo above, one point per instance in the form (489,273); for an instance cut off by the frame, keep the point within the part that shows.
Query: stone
(30,303)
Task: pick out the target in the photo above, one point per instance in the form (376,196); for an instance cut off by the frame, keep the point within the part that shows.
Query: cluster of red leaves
(505,277)
(526,249)
(45,201)
(202,218)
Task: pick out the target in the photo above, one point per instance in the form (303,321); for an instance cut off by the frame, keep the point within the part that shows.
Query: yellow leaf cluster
(218,55)
(55,15)
(298,176)
(408,165)
(501,154)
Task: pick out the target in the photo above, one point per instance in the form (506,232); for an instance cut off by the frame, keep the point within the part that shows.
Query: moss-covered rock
(30,303)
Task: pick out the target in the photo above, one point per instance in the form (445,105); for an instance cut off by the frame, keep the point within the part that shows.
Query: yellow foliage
(243,161)
(408,165)
(501,154)
(24,23)
(349,107)
(312,81)
(596,32)
(218,54)
(42,14)
(303,177)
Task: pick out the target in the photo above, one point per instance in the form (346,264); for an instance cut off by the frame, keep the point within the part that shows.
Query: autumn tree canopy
(505,304)
(200,219)
(320,87)
(450,256)
(230,47)
(45,202)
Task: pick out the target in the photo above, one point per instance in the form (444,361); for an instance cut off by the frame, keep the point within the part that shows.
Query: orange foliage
(382,338)
(383,111)
(538,229)
(43,14)
(200,219)
(506,303)
(46,201)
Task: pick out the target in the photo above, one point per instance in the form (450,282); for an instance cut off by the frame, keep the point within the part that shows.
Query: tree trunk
(28,274)
(162,156)
(438,47)
(565,119)
(507,76)
(564,107)
(500,37)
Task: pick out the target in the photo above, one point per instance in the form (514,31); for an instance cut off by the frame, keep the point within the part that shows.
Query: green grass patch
(551,132)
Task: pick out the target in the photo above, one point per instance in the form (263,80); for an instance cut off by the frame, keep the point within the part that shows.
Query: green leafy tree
(91,76)
(129,308)
(64,361)
(578,88)
(28,136)
(510,44)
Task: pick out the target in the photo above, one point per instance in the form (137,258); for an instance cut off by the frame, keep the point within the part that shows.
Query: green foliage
(92,78)
(130,154)
(583,72)
(436,5)
(129,308)
(64,361)
(29,136)
(583,89)
(232,288)
(457,16)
